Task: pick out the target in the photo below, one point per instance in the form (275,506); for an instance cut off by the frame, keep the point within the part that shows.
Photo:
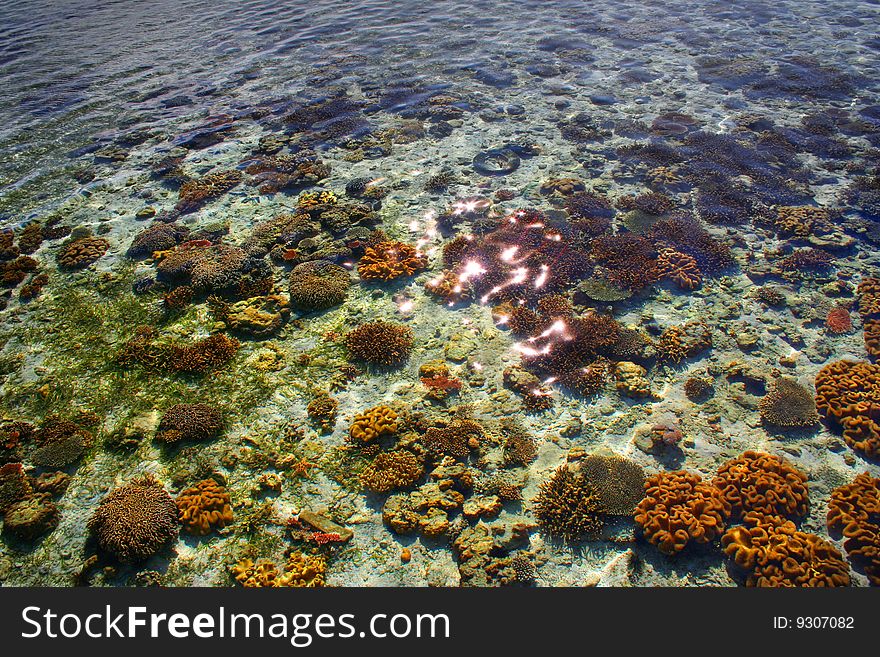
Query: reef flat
(382,294)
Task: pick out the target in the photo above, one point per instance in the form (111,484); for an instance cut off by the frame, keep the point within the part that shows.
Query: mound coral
(301,571)
(189,422)
(854,511)
(386,261)
(868,293)
(158,237)
(764,485)
(392,471)
(322,411)
(380,343)
(519,448)
(788,404)
(801,220)
(838,320)
(14,484)
(619,483)
(286,170)
(193,194)
(216,269)
(848,398)
(680,268)
(372,424)
(31,517)
(81,252)
(456,439)
(567,506)
(318,285)
(775,553)
(204,507)
(679,508)
(134,521)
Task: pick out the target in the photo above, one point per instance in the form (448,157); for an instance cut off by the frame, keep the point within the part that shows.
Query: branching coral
(380,343)
(788,404)
(60,443)
(322,411)
(775,553)
(372,424)
(679,342)
(679,508)
(457,439)
(763,484)
(854,511)
(199,357)
(567,506)
(686,235)
(630,260)
(848,398)
(204,507)
(392,471)
(189,422)
(386,261)
(193,194)
(838,320)
(680,268)
(133,522)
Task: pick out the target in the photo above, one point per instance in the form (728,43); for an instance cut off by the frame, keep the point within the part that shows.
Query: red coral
(838,320)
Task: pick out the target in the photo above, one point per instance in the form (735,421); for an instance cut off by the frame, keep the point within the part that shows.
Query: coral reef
(391,471)
(31,517)
(193,194)
(189,422)
(457,439)
(80,252)
(300,571)
(203,507)
(680,508)
(135,521)
(680,268)
(322,411)
(372,424)
(158,237)
(619,483)
(854,511)
(318,285)
(763,485)
(567,506)
(679,342)
(380,343)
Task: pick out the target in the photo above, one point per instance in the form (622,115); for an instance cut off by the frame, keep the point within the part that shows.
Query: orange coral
(848,397)
(763,484)
(868,293)
(194,193)
(679,342)
(854,510)
(386,261)
(203,507)
(775,554)
(680,268)
(679,508)
(871,332)
(373,423)
(838,320)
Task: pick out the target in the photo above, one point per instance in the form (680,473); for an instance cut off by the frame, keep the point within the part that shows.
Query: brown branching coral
(801,220)
(60,443)
(204,507)
(194,194)
(854,511)
(199,357)
(686,235)
(189,422)
(457,439)
(619,483)
(680,268)
(679,508)
(519,448)
(372,424)
(392,471)
(567,506)
(763,484)
(386,261)
(380,343)
(133,522)
(679,342)
(14,484)
(630,260)
(81,252)
(775,553)
(788,404)
(158,237)
(848,398)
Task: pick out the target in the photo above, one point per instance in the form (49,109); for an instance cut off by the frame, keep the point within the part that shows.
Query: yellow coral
(373,423)
(204,507)
(300,571)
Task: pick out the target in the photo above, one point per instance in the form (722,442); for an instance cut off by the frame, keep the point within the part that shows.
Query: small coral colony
(276,373)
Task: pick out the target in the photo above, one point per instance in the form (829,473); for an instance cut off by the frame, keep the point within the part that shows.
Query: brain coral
(678,508)
(848,397)
(189,422)
(391,471)
(81,252)
(133,522)
(373,423)
(854,511)
(788,404)
(775,554)
(204,507)
(318,285)
(380,343)
(618,482)
(567,506)
(386,261)
(763,484)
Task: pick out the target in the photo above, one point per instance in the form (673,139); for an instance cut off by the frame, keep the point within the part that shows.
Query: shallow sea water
(757,127)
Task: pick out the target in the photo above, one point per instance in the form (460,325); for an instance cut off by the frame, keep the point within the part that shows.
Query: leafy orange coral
(680,268)
(854,510)
(204,507)
(373,423)
(763,484)
(386,261)
(848,397)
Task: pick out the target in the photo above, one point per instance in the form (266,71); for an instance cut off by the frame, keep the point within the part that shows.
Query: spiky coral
(380,343)
(567,506)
